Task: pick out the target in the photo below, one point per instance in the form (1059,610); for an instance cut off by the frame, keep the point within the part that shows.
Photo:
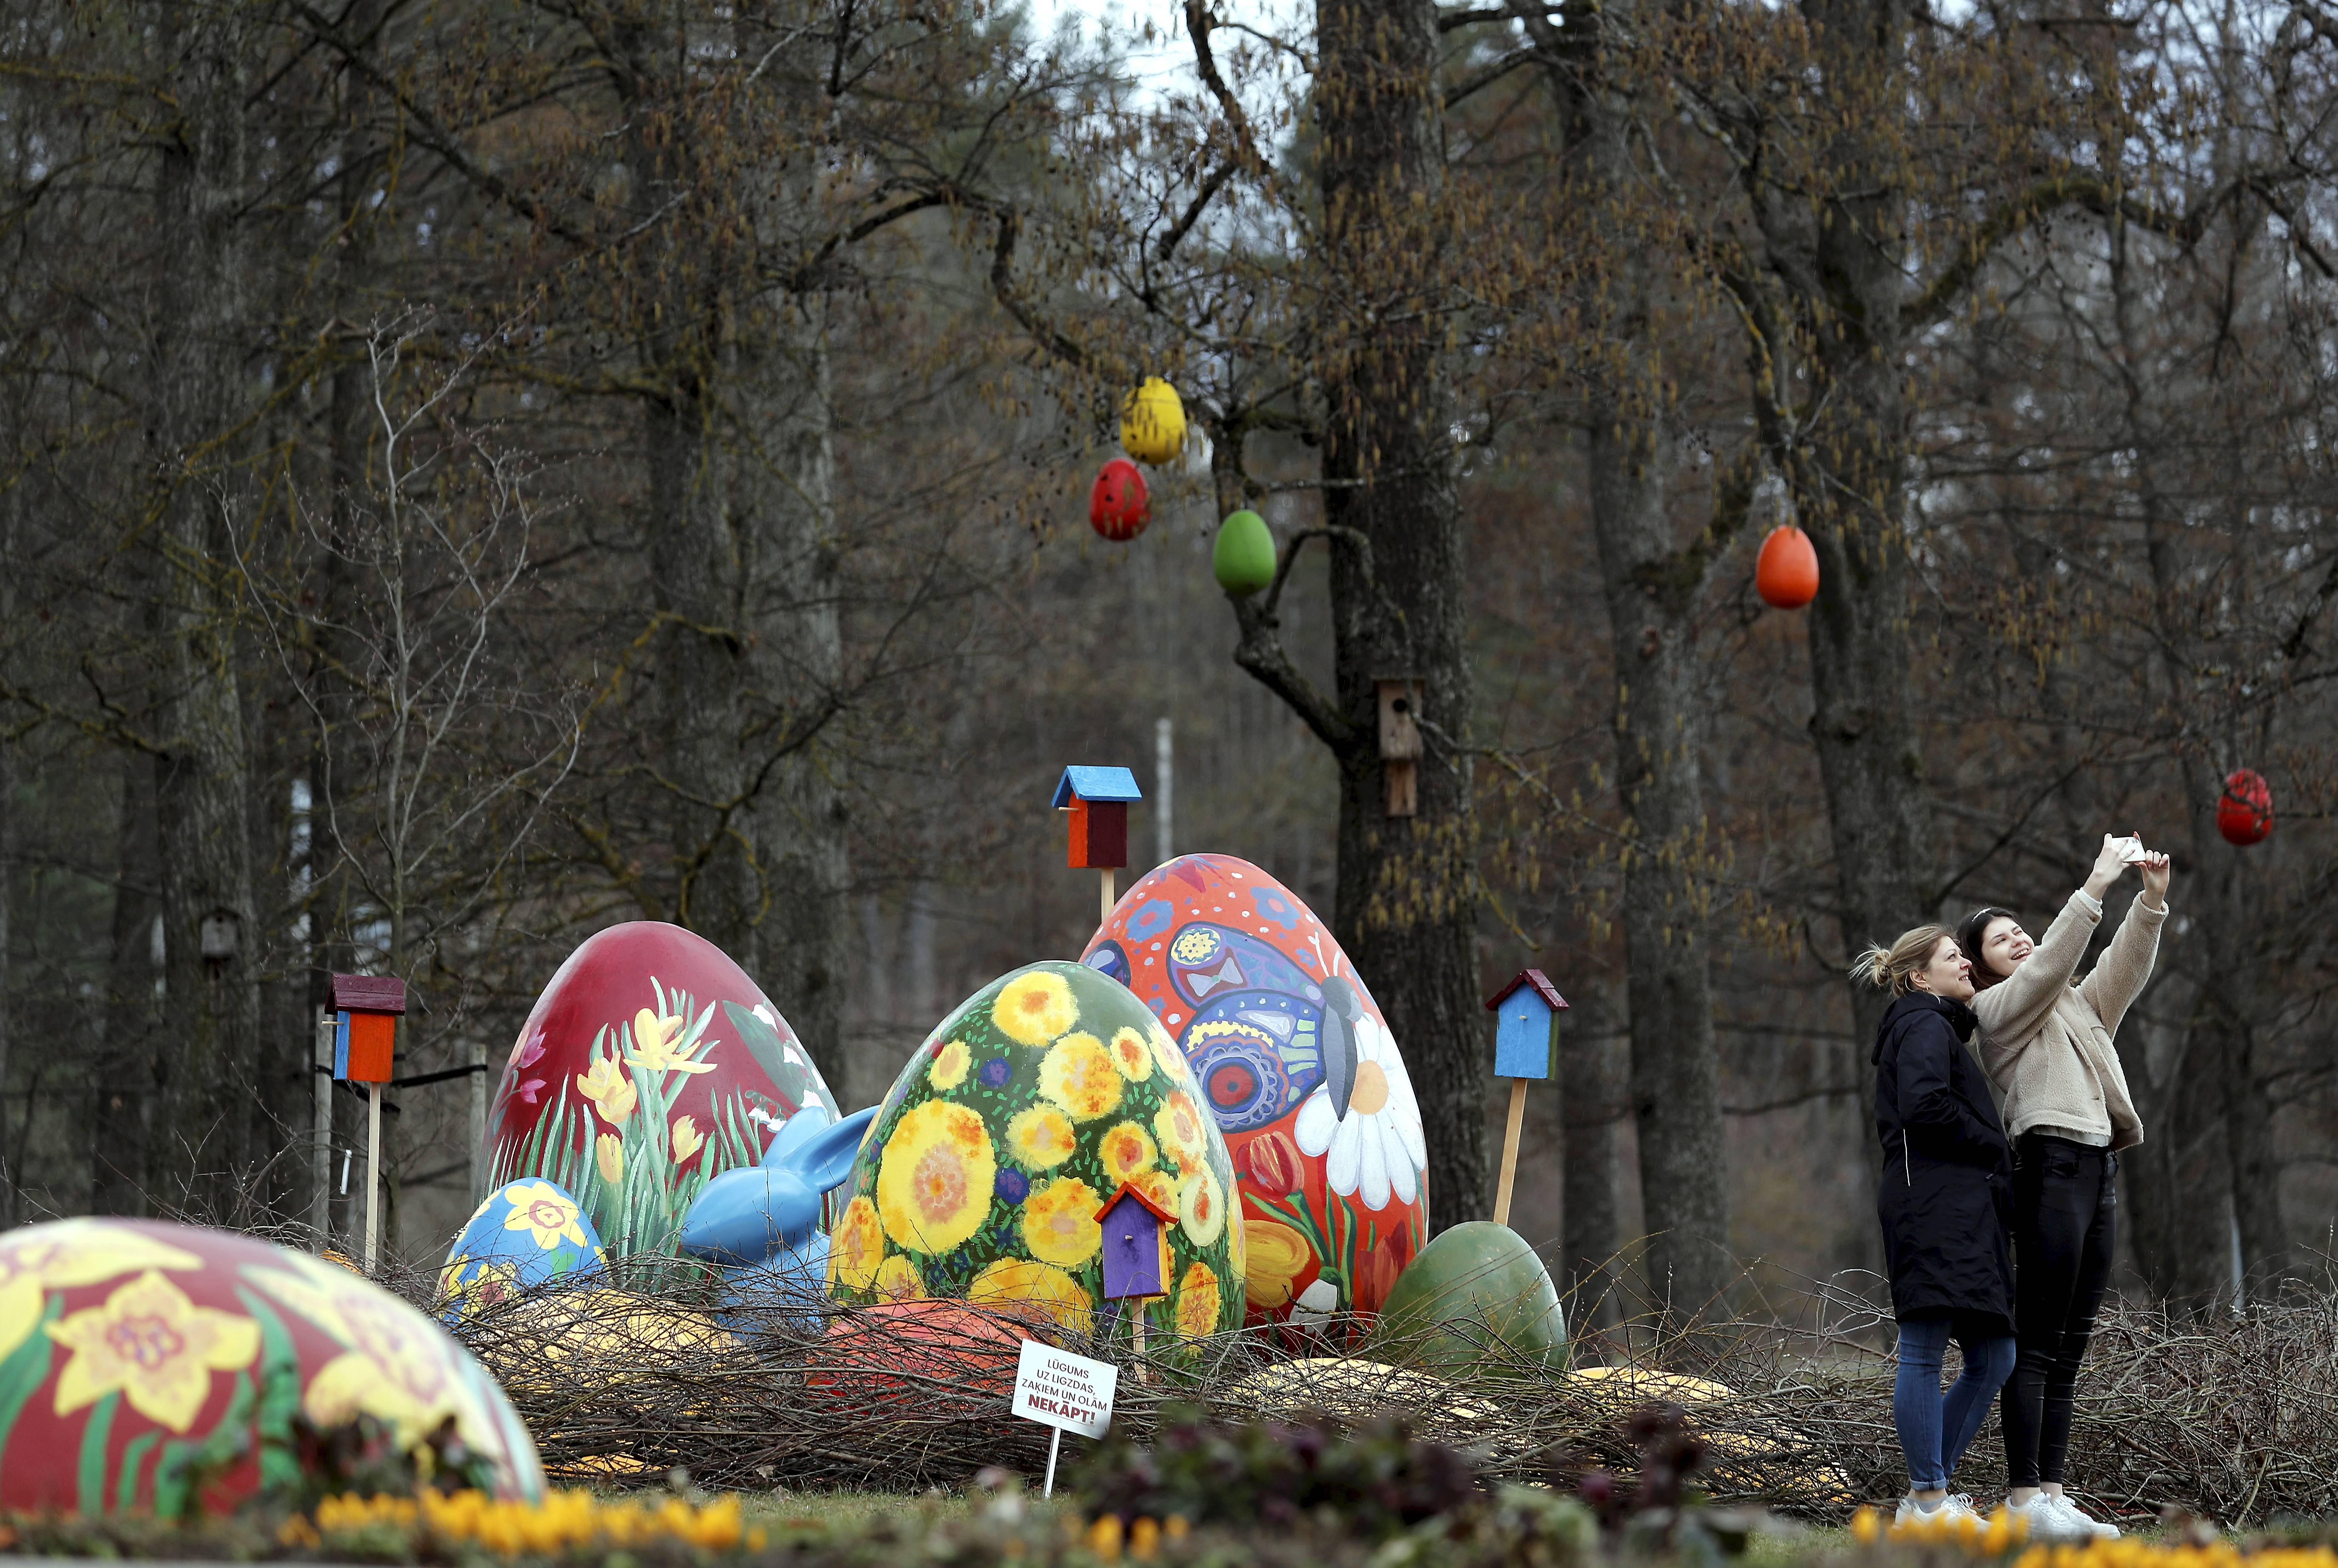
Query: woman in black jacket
(1947,1183)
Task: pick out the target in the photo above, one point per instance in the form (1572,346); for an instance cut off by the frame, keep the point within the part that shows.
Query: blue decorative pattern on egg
(527,1234)
(1256,1053)
(1206,960)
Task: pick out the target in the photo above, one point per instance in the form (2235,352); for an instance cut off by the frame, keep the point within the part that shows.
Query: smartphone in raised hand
(2130,850)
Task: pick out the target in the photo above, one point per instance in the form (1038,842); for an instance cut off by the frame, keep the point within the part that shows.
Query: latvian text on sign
(1057,1388)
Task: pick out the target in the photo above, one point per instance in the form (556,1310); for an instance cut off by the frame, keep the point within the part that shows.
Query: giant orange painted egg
(1297,1065)
(165,1367)
(650,1064)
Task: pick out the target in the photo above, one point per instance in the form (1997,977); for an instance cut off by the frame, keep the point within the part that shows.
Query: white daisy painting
(1362,1121)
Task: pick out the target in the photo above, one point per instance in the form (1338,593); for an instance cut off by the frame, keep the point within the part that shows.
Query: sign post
(1069,1393)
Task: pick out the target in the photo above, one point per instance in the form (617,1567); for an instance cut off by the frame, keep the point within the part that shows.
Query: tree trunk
(124,1078)
(1406,905)
(1651,587)
(1593,1106)
(202,775)
(787,503)
(1850,494)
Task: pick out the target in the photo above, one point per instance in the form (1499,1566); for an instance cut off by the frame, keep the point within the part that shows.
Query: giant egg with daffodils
(650,1064)
(1006,1133)
(171,1369)
(1298,1069)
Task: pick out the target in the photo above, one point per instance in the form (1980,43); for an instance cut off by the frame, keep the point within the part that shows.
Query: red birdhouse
(2245,811)
(1786,572)
(370,1006)
(1118,507)
(1099,799)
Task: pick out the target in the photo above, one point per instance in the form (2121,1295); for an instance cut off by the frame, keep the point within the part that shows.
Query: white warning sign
(1064,1391)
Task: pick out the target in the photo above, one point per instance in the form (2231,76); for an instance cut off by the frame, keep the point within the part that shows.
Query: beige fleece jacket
(2046,1042)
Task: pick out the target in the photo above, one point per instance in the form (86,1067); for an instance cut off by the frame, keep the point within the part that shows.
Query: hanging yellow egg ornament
(1153,422)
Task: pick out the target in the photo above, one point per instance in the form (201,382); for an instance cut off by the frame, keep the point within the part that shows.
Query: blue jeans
(1935,1429)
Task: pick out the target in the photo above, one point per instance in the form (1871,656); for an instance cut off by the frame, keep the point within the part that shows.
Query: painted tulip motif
(1294,1064)
(650,1065)
(1006,1132)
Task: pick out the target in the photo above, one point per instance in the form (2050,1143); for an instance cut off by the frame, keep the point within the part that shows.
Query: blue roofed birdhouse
(1132,1244)
(1525,1035)
(1097,798)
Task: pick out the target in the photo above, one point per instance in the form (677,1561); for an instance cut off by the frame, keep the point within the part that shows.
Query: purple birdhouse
(1132,1244)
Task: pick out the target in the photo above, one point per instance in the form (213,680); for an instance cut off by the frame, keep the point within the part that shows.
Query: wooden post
(320,1157)
(373,1174)
(1510,1151)
(1105,913)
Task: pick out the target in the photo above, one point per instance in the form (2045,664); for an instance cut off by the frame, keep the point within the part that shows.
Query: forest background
(471,473)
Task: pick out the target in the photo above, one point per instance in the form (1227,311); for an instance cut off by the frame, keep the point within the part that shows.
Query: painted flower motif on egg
(157,1368)
(1005,1134)
(1298,1069)
(650,1064)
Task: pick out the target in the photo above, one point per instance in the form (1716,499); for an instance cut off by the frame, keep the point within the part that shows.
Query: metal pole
(1054,1442)
(478,1122)
(1164,789)
(320,1157)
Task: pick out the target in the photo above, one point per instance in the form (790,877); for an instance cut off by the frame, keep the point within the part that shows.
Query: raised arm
(2125,966)
(2012,1009)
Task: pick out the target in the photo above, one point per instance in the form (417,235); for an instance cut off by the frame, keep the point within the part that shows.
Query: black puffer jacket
(1948,1172)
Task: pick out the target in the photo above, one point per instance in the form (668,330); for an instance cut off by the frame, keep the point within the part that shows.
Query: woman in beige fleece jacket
(2045,1041)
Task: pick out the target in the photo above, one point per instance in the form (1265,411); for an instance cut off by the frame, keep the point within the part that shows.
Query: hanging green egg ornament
(1153,422)
(1243,558)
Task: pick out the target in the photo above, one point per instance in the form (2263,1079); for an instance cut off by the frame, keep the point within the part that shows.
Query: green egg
(1244,557)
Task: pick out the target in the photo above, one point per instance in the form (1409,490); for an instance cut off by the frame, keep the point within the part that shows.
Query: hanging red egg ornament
(2245,811)
(1118,507)
(1786,572)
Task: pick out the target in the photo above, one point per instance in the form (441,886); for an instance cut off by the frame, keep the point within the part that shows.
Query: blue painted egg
(527,1232)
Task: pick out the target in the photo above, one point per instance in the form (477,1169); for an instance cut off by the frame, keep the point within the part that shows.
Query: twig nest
(1243,558)
(1153,422)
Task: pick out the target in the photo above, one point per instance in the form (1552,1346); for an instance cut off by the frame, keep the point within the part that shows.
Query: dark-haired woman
(1943,1200)
(2046,1042)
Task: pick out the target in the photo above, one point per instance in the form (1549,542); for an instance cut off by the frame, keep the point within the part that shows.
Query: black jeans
(2064,1222)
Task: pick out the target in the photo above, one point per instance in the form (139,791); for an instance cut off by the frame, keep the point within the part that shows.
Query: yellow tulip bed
(564,1522)
(2001,1539)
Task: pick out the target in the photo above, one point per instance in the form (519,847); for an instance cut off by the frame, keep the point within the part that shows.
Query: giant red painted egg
(1297,1065)
(650,1064)
(165,1368)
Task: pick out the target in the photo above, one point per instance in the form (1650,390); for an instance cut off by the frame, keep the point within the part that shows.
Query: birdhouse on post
(1132,1250)
(1097,798)
(1525,1045)
(365,1036)
(366,1009)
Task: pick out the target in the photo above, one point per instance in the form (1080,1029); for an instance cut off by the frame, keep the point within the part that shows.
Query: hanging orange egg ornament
(1786,572)
(1119,506)
(2245,811)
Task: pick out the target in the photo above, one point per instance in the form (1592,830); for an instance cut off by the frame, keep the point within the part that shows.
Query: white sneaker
(2044,1523)
(2077,1520)
(1955,1505)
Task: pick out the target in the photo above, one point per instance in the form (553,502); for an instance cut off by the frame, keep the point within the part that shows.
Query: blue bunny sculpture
(760,1223)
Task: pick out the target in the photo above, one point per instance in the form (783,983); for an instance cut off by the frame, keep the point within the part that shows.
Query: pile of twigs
(2230,1417)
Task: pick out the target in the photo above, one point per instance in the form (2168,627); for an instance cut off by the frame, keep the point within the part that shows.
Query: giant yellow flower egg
(1020,1118)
